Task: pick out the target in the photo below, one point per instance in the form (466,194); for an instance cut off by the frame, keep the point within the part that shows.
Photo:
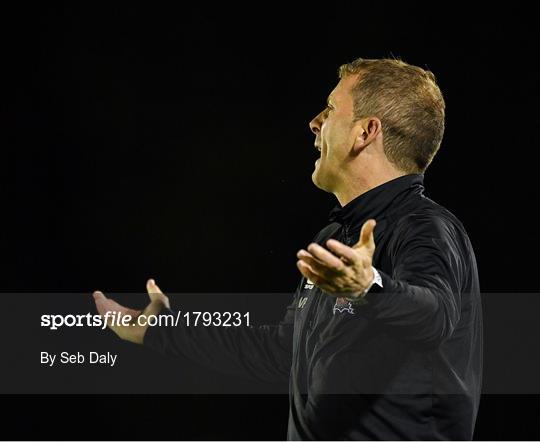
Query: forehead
(342,90)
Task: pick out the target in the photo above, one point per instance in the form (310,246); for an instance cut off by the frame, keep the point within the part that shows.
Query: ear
(367,130)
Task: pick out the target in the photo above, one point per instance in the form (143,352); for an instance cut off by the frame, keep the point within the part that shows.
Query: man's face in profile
(333,135)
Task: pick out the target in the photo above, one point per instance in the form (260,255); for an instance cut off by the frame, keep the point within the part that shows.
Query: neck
(361,182)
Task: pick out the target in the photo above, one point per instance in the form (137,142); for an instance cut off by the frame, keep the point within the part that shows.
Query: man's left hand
(340,271)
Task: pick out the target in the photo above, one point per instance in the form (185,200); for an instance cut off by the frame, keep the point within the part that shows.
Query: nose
(315,124)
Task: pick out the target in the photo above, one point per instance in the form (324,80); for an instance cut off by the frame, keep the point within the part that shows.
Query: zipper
(308,320)
(302,341)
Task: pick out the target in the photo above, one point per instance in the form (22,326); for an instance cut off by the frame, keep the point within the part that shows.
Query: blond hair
(409,104)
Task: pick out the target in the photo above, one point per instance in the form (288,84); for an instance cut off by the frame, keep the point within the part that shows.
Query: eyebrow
(329,99)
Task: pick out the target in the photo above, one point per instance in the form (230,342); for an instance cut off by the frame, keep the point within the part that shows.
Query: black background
(170,141)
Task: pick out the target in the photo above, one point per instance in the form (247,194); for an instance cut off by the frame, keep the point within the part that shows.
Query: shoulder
(425,219)
(427,214)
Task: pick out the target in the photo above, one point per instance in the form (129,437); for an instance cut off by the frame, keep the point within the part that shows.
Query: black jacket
(407,364)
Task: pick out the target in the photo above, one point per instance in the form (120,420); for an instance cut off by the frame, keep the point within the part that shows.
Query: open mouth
(319,150)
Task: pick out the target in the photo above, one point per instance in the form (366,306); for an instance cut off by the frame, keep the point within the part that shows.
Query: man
(383,339)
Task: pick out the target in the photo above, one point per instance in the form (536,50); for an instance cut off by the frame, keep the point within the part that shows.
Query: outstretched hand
(134,332)
(341,271)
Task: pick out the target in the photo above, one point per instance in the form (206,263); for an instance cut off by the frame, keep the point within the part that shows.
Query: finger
(311,275)
(98,295)
(153,289)
(326,257)
(307,271)
(101,303)
(312,261)
(155,293)
(366,235)
(317,266)
(307,257)
(341,250)
(104,305)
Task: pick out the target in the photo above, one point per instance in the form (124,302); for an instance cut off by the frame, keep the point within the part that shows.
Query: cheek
(336,127)
(343,135)
(324,129)
(329,133)
(336,138)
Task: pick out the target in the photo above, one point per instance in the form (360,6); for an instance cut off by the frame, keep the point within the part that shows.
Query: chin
(318,180)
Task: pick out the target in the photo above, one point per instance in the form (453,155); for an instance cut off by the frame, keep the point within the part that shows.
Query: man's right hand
(134,332)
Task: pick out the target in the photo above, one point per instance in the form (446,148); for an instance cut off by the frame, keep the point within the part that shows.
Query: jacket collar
(376,201)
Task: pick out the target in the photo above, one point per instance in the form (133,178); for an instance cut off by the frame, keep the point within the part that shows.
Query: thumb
(367,240)
(155,293)
(153,290)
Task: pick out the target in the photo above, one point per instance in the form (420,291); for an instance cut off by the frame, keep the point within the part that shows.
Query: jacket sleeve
(422,296)
(262,353)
